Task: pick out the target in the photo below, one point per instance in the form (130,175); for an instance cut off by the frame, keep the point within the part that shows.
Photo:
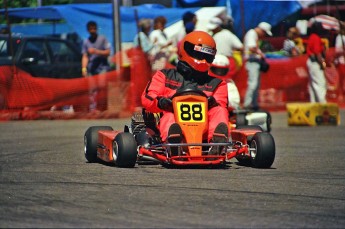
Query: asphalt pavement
(45,181)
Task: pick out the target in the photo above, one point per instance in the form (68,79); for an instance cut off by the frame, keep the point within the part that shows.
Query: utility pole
(117,31)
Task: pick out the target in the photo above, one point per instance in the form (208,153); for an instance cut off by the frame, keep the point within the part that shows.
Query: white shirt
(339,47)
(250,41)
(181,34)
(226,42)
(288,46)
(159,39)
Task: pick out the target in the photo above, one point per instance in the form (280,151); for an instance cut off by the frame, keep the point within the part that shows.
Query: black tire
(263,153)
(241,119)
(91,141)
(244,161)
(269,122)
(125,150)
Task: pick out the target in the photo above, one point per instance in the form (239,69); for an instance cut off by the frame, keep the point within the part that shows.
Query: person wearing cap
(253,55)
(142,39)
(226,41)
(316,64)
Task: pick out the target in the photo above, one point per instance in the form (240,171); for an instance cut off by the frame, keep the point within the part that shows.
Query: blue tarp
(246,14)
(198,3)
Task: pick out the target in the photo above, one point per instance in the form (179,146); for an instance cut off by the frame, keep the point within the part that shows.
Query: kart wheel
(91,141)
(263,150)
(125,150)
(245,161)
(269,122)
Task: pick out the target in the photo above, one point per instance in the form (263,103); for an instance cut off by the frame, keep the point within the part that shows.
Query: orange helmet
(197,49)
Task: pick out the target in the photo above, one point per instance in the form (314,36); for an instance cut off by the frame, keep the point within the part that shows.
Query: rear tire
(125,150)
(91,141)
(263,153)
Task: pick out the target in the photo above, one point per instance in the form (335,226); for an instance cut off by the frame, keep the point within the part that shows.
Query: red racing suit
(164,83)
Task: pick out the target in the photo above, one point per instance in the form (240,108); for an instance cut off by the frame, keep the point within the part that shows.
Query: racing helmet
(220,66)
(197,49)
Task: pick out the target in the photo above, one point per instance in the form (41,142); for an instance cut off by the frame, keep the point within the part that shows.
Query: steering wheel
(188,91)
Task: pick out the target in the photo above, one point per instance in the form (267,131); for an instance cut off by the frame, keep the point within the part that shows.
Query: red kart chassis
(239,148)
(140,141)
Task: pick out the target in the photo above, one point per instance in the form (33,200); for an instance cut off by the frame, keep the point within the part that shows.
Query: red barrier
(25,97)
(286,81)
(21,90)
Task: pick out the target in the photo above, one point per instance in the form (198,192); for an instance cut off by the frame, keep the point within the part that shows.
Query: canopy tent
(327,22)
(77,15)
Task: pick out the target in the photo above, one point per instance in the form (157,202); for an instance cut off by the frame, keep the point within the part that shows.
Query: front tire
(125,150)
(262,151)
(91,141)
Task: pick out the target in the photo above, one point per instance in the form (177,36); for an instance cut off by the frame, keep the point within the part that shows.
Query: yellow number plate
(191,111)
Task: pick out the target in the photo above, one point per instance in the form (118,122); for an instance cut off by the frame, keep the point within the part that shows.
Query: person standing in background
(253,55)
(142,38)
(164,51)
(316,64)
(95,51)
(340,59)
(189,22)
(226,41)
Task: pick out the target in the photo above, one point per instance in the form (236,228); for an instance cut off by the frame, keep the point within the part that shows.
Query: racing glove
(212,102)
(165,104)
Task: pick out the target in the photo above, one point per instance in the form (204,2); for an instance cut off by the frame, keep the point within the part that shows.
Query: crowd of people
(162,51)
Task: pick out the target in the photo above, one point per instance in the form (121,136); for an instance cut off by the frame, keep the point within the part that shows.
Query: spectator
(316,64)
(228,22)
(226,41)
(340,59)
(164,51)
(189,22)
(253,56)
(95,51)
(142,39)
(196,53)
(289,47)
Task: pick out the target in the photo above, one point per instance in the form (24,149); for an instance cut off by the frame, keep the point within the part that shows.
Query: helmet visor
(219,71)
(200,52)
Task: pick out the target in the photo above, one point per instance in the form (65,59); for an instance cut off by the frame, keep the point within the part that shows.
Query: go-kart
(243,117)
(140,141)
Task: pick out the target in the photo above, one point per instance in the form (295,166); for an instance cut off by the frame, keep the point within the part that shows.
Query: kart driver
(196,53)
(220,68)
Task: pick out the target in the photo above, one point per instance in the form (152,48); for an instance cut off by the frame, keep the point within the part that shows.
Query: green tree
(27,3)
